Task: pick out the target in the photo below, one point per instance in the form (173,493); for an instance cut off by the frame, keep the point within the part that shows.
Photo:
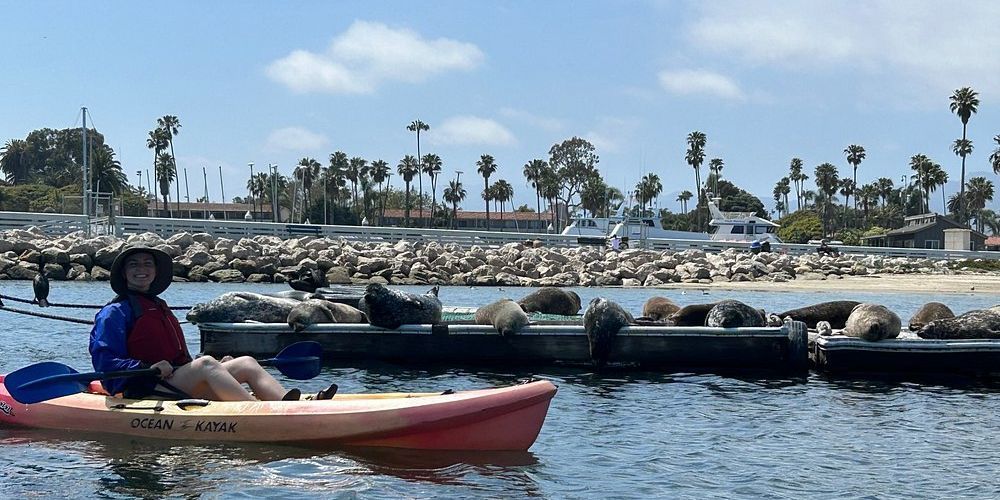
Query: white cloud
(295,139)
(471,130)
(689,82)
(936,44)
(542,122)
(369,54)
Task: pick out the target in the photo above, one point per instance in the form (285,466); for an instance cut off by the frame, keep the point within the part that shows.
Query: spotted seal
(391,308)
(551,300)
(977,324)
(659,308)
(734,314)
(312,311)
(505,315)
(835,312)
(602,321)
(872,322)
(929,312)
(237,307)
(691,315)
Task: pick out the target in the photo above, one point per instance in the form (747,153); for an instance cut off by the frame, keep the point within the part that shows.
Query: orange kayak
(506,418)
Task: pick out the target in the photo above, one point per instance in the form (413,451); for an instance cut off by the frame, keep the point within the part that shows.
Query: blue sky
(270,82)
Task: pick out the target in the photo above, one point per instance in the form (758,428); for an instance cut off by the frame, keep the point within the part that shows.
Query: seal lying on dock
(312,311)
(659,308)
(390,308)
(734,314)
(928,312)
(505,315)
(602,321)
(835,312)
(691,315)
(236,307)
(551,300)
(978,324)
(872,322)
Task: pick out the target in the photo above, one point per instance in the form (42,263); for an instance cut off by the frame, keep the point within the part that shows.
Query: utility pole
(458,183)
(274,192)
(204,180)
(149,188)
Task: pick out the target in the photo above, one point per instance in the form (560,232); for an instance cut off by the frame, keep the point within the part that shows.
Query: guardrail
(60,224)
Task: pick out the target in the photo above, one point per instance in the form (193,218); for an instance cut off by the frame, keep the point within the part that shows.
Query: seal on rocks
(928,312)
(390,308)
(734,314)
(551,300)
(659,308)
(691,315)
(835,312)
(236,307)
(872,322)
(505,315)
(602,321)
(977,324)
(312,311)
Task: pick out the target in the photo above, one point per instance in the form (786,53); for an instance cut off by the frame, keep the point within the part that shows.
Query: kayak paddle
(49,379)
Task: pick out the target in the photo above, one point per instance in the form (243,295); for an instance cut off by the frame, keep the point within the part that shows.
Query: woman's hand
(166,369)
(226,358)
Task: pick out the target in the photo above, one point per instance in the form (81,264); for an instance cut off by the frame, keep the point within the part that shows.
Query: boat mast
(86,172)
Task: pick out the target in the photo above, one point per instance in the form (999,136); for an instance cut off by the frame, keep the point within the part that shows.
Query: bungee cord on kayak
(75,306)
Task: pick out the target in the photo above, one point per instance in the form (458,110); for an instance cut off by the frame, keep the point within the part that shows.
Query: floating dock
(842,354)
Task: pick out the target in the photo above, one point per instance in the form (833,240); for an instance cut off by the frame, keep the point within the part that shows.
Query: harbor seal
(312,311)
(691,315)
(551,300)
(734,314)
(977,324)
(309,280)
(602,321)
(390,308)
(236,307)
(835,312)
(928,312)
(505,315)
(659,308)
(872,322)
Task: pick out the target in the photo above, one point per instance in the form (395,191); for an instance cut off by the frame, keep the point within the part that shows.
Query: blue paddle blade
(43,381)
(299,361)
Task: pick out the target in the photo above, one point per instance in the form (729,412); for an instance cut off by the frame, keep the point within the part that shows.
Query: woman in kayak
(137,330)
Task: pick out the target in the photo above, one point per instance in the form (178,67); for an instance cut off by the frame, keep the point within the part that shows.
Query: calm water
(636,435)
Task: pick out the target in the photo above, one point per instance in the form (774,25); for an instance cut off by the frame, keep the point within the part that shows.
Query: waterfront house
(524,222)
(929,231)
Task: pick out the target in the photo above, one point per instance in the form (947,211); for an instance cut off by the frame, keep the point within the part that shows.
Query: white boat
(727,226)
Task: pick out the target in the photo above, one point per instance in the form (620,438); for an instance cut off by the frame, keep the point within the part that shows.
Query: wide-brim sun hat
(164,269)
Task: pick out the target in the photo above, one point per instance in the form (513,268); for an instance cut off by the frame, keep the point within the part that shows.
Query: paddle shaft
(91,376)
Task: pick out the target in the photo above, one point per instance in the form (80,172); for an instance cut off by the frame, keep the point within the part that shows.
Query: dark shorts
(144,387)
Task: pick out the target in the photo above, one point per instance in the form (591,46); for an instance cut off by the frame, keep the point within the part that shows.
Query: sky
(273,82)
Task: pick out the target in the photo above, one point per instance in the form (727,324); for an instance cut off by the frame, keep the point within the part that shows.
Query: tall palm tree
(549,185)
(338,174)
(419,126)
(648,188)
(107,175)
(921,166)
(357,167)
(715,166)
(306,172)
(380,174)
(503,192)
(846,188)
(14,161)
(827,181)
(939,178)
(964,103)
(454,194)
(486,167)
(157,141)
(171,126)
(432,167)
(407,168)
(683,198)
(695,156)
(980,193)
(533,174)
(795,174)
(885,187)
(165,175)
(995,157)
(855,154)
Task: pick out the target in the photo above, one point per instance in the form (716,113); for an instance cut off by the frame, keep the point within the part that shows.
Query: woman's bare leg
(246,370)
(206,378)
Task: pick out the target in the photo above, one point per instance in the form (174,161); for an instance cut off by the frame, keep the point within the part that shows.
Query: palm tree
(995,157)
(171,126)
(885,187)
(14,162)
(306,171)
(157,141)
(648,188)
(486,167)
(338,174)
(418,126)
(939,178)
(827,182)
(454,194)
(502,192)
(695,156)
(106,171)
(855,154)
(964,103)
(923,176)
(533,174)
(795,174)
(380,174)
(357,167)
(407,168)
(432,167)
(165,175)
(683,198)
(715,167)
(991,220)
(980,193)
(846,188)
(258,186)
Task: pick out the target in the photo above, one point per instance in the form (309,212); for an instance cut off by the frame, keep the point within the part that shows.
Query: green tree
(106,171)
(795,174)
(800,227)
(171,126)
(432,167)
(827,182)
(980,192)
(14,161)
(407,168)
(533,173)
(454,194)
(648,188)
(419,126)
(574,161)
(486,167)
(855,154)
(165,175)
(502,193)
(715,166)
(683,198)
(964,103)
(694,157)
(380,174)
(995,156)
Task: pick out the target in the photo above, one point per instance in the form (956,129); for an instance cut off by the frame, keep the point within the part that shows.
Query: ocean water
(619,435)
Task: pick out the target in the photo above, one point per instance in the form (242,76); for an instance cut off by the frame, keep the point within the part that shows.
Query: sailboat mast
(86,171)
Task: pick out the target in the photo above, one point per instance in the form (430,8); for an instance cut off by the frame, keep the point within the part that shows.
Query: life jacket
(155,334)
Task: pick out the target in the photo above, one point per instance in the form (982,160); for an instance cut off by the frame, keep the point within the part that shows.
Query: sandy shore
(924,283)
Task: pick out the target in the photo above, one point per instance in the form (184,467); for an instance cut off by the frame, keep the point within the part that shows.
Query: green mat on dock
(450,317)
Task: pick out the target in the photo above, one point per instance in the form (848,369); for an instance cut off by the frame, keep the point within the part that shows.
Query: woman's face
(140,271)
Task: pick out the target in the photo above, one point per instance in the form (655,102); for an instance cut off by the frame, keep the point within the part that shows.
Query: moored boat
(506,418)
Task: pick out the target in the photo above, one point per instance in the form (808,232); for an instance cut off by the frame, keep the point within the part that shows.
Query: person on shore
(616,243)
(137,330)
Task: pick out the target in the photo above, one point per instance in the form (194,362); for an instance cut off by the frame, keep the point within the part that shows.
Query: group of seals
(976,324)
